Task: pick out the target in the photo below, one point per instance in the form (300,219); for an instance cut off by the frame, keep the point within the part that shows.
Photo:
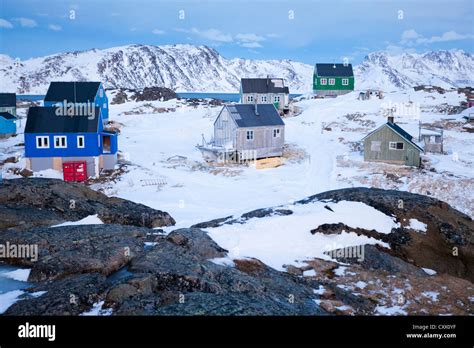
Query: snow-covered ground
(193,192)
(168,173)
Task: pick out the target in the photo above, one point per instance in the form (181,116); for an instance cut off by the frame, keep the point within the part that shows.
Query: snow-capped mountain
(202,69)
(180,67)
(439,68)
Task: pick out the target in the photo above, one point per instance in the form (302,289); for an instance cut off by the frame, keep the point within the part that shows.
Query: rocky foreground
(130,267)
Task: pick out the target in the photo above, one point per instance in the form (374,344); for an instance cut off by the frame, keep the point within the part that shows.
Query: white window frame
(276,132)
(264,98)
(332,82)
(41,143)
(250,98)
(276,99)
(83,142)
(104,106)
(101,93)
(391,147)
(252,135)
(345,82)
(60,146)
(324,82)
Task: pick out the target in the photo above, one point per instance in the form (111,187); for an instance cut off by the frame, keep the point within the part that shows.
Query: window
(264,98)
(105,106)
(345,82)
(80,142)
(332,82)
(250,98)
(276,133)
(276,99)
(42,142)
(375,145)
(250,135)
(315,82)
(101,93)
(60,142)
(393,145)
(324,82)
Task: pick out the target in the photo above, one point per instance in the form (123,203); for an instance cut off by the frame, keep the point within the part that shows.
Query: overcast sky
(303,30)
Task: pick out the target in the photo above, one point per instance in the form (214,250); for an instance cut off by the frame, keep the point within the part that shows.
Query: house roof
(45,120)
(397,129)
(263,85)
(244,115)
(7,99)
(333,70)
(74,92)
(7,116)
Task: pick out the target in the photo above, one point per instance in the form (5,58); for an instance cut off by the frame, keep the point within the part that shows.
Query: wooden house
(265,91)
(7,124)
(78,95)
(247,131)
(432,140)
(333,79)
(53,139)
(8,103)
(391,144)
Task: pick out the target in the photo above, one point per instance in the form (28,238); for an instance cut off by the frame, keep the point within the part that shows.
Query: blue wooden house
(52,138)
(8,103)
(84,94)
(7,124)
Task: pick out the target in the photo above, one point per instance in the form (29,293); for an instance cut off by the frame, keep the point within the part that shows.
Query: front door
(106,143)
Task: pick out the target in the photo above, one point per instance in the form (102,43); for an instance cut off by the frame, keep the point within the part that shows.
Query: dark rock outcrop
(154,93)
(67,250)
(27,203)
(69,296)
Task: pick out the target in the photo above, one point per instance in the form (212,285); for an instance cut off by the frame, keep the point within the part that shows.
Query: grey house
(391,144)
(265,91)
(8,103)
(250,130)
(432,140)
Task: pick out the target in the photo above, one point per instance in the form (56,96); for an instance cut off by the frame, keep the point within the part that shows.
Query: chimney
(390,119)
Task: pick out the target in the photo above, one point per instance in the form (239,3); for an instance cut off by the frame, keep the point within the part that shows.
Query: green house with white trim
(331,80)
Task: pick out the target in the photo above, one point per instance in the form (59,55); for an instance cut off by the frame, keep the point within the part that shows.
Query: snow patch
(19,274)
(89,220)
(429,271)
(417,225)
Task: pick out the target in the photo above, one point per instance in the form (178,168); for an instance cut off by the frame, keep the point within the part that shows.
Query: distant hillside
(202,69)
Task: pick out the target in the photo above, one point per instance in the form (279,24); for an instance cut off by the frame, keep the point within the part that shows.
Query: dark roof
(263,85)
(397,129)
(7,116)
(333,70)
(7,99)
(400,131)
(244,115)
(45,120)
(74,92)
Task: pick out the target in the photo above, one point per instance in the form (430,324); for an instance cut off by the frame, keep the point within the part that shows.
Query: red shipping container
(75,171)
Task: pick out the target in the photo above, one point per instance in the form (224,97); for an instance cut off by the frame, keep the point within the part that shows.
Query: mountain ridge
(199,68)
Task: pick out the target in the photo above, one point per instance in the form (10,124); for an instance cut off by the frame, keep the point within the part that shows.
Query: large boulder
(27,203)
(77,249)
